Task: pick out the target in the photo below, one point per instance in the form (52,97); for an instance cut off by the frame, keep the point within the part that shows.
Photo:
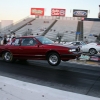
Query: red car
(38,48)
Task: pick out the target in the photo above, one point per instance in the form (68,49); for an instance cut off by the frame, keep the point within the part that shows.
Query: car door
(30,48)
(85,48)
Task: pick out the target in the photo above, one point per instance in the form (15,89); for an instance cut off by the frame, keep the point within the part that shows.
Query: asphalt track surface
(77,78)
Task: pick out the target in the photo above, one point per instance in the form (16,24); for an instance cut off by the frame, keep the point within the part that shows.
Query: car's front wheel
(54,59)
(7,56)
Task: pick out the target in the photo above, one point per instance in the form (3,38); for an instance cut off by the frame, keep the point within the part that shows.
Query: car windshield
(83,43)
(44,40)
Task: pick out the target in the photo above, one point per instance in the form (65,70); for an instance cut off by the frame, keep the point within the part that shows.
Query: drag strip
(82,79)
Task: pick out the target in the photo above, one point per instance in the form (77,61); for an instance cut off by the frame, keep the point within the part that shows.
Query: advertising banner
(58,12)
(80,13)
(37,11)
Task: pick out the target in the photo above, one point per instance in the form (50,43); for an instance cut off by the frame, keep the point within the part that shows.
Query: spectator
(13,36)
(8,38)
(29,31)
(50,29)
(5,39)
(97,38)
(0,40)
(85,39)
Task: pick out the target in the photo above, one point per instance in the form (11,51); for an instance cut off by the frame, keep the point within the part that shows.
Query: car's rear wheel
(7,56)
(54,59)
(92,51)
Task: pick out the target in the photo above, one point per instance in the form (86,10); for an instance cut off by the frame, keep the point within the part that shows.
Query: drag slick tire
(54,59)
(7,56)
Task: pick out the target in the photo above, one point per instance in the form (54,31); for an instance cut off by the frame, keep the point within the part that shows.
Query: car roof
(77,41)
(30,36)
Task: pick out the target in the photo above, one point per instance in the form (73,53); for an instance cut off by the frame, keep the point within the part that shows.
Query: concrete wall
(5,23)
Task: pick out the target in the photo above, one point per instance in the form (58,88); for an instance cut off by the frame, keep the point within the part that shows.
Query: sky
(19,9)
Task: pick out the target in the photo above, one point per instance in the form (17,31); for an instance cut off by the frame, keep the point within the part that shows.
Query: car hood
(61,45)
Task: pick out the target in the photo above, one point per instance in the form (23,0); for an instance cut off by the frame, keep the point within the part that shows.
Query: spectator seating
(17,25)
(90,28)
(65,28)
(37,26)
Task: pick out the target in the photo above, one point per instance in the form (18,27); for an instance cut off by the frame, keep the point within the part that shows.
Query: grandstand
(37,26)
(16,26)
(87,26)
(91,27)
(64,28)
(53,27)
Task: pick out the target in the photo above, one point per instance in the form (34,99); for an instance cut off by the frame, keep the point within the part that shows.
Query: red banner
(37,11)
(58,12)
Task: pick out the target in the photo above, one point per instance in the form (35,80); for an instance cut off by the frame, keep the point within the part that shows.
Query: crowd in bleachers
(7,38)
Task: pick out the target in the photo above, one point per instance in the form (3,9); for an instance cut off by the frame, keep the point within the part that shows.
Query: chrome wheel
(92,51)
(7,56)
(54,59)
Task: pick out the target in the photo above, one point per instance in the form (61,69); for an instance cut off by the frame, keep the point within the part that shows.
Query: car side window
(74,43)
(16,42)
(28,42)
(77,43)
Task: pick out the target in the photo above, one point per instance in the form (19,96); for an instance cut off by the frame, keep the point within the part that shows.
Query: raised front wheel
(54,59)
